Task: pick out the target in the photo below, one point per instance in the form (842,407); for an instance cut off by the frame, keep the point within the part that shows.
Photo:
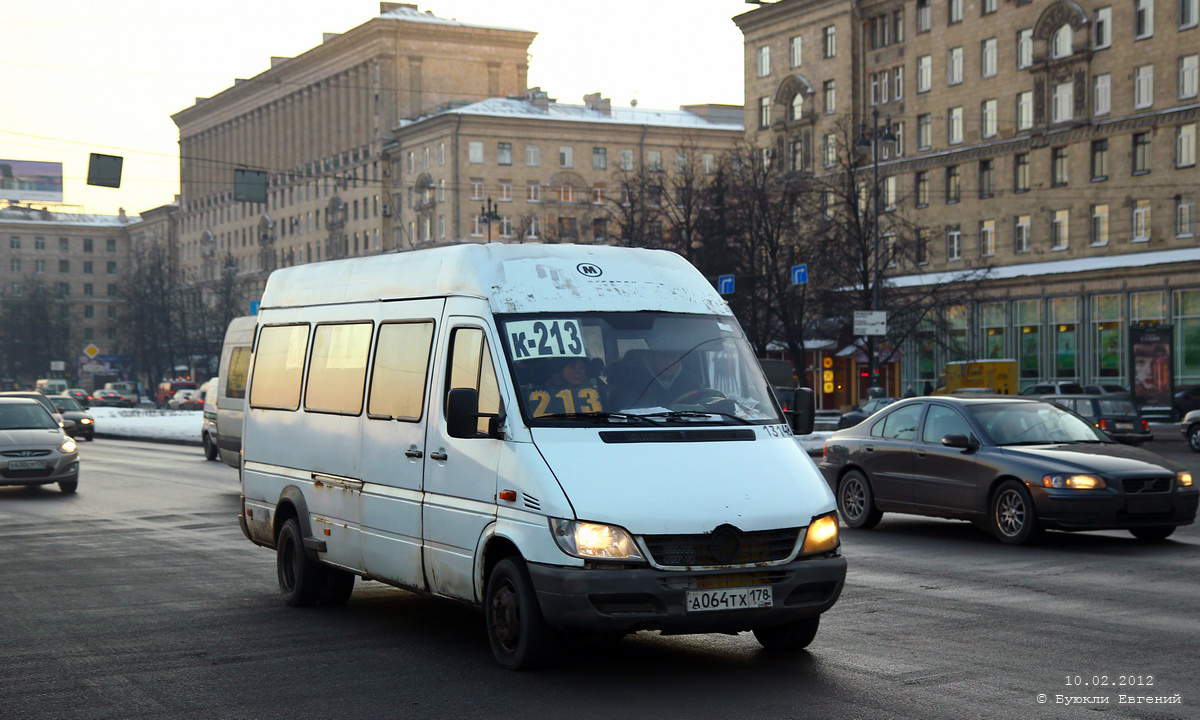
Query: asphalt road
(139,598)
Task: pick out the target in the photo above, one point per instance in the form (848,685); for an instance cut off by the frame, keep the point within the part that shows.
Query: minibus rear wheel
(517,632)
(795,635)
(300,579)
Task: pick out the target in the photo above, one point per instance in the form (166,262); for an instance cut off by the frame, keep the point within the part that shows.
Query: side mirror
(958,440)
(462,415)
(803,412)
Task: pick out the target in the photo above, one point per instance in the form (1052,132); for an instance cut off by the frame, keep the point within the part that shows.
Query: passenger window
(239,363)
(902,424)
(337,372)
(1084,408)
(941,421)
(279,367)
(471,367)
(401,366)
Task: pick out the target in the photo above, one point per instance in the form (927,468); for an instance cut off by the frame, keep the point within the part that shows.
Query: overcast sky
(94,76)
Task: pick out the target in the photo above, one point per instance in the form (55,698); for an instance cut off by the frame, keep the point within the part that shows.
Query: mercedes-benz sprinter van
(577,439)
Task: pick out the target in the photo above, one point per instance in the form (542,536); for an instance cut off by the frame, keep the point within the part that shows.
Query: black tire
(516,630)
(1011,516)
(856,502)
(68,487)
(300,579)
(210,448)
(1157,533)
(338,586)
(795,635)
(91,437)
(1193,437)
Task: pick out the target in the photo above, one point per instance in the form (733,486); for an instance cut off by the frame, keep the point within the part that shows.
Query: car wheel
(1013,520)
(338,587)
(1193,437)
(68,487)
(856,502)
(795,635)
(91,437)
(210,448)
(300,579)
(517,632)
(1153,534)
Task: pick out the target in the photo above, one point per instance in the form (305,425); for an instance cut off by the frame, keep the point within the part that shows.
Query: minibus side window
(279,367)
(471,367)
(398,375)
(239,363)
(337,372)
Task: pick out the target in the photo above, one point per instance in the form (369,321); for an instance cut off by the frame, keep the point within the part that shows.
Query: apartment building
(1053,143)
(528,168)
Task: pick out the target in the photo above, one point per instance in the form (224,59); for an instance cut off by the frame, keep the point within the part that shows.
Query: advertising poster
(1151,349)
(31,181)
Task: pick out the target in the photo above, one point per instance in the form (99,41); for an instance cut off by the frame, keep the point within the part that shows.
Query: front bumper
(627,600)
(1110,509)
(65,469)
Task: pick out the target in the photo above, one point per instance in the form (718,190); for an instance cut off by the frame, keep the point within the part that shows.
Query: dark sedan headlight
(1183,479)
(1073,482)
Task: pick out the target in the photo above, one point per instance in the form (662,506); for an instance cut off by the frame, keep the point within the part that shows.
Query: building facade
(1051,143)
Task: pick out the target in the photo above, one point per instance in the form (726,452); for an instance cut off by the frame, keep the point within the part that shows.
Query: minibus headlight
(68,446)
(822,535)
(594,541)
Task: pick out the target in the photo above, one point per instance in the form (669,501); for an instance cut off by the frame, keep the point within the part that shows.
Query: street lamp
(868,140)
(489,215)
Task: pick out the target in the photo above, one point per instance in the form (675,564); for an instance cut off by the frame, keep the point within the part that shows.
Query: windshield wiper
(674,414)
(597,416)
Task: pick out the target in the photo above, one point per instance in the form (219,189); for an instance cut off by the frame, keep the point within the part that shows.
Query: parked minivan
(578,440)
(223,407)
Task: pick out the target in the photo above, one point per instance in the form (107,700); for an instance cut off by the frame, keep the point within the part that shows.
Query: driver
(667,380)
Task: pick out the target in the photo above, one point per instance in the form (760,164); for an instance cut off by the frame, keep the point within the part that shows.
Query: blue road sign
(725,284)
(800,274)
(254,307)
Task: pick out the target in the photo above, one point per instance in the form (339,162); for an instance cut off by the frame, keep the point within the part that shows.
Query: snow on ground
(136,423)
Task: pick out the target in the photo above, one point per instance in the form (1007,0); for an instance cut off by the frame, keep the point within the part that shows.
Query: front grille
(707,549)
(1146,485)
(24,453)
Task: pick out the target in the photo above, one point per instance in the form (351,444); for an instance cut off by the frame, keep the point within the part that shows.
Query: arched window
(797,111)
(1060,42)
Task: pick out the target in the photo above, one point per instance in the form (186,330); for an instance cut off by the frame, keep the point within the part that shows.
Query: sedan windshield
(66,404)
(644,367)
(25,417)
(1033,424)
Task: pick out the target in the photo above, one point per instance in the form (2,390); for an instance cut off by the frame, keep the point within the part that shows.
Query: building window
(1021,237)
(1060,42)
(1099,160)
(954,66)
(1024,48)
(708,163)
(797,107)
(87,267)
(830,95)
(64,266)
(764,113)
(532,229)
(956,11)
(1025,110)
(764,61)
(1143,86)
(654,161)
(922,249)
(110,244)
(64,245)
(681,162)
(1185,146)
(1141,221)
(797,51)
(505,189)
(1188,85)
(953,184)
(88,290)
(924,73)
(988,119)
(476,188)
(533,191)
(987,7)
(924,16)
(924,132)
(795,156)
(829,149)
(474,153)
(953,243)
(111,266)
(954,126)
(986,177)
(533,155)
(898,82)
(1185,217)
(922,188)
(441,153)
(1189,13)
(1102,94)
(1064,102)
(1060,228)
(441,190)
(1058,167)
(599,194)
(1021,172)
(87,245)
(503,154)
(1099,229)
(625,160)
(1141,153)
(1102,35)
(987,58)
(987,238)
(599,158)
(566,156)
(830,44)
(1143,19)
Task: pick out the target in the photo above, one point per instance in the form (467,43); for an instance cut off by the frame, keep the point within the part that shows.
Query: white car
(184,400)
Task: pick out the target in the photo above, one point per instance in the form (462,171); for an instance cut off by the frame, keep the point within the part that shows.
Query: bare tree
(154,326)
(36,328)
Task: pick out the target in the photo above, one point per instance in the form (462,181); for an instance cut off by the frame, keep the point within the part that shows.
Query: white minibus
(223,412)
(577,439)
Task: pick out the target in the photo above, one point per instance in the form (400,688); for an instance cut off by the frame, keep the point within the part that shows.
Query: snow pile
(137,423)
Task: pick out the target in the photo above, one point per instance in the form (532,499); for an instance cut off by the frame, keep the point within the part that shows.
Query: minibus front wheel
(794,635)
(517,632)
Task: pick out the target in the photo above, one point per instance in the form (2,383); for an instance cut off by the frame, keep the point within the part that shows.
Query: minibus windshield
(607,368)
